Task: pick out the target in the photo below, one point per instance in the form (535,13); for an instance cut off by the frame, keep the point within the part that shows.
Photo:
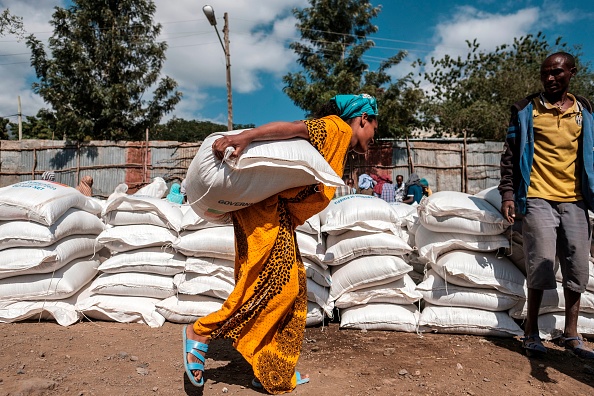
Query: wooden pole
(146,150)
(465,165)
(20,115)
(228,63)
(411,165)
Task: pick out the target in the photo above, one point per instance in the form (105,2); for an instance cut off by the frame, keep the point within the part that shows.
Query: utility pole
(228,62)
(20,115)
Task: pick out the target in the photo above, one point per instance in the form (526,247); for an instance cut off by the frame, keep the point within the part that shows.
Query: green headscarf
(351,106)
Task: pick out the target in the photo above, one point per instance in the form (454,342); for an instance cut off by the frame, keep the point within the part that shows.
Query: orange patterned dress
(265,314)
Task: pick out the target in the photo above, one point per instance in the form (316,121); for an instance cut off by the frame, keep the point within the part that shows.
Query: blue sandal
(579,350)
(194,347)
(532,345)
(300,381)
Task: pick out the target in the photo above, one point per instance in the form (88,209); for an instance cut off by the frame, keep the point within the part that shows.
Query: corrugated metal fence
(452,165)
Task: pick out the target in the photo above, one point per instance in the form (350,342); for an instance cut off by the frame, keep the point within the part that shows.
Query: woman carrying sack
(266,312)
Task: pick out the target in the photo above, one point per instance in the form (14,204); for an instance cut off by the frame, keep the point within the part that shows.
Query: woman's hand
(238,142)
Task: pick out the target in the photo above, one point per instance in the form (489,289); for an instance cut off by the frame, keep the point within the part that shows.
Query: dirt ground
(101,358)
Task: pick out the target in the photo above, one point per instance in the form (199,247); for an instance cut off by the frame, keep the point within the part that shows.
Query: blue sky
(260,32)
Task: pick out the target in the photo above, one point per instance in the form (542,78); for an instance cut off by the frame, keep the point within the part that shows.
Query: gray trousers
(559,229)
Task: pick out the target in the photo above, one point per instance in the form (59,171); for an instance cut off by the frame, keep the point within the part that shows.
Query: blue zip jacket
(518,154)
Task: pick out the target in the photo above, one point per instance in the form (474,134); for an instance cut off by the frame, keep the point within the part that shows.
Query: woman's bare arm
(272,131)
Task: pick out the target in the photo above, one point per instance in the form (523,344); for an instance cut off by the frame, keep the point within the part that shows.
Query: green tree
(105,61)
(334,41)
(474,94)
(178,129)
(4,131)
(11,24)
(41,126)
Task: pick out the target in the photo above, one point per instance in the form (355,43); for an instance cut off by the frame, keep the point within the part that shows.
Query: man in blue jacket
(547,175)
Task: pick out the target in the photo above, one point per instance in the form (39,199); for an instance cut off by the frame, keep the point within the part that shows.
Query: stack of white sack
(311,247)
(409,223)
(141,229)
(208,275)
(470,287)
(370,285)
(48,250)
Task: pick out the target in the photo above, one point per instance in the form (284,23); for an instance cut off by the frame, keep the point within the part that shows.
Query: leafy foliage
(104,61)
(4,131)
(474,94)
(334,40)
(11,24)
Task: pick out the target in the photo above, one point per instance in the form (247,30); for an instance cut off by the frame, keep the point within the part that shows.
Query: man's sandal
(300,381)
(194,347)
(580,350)
(532,345)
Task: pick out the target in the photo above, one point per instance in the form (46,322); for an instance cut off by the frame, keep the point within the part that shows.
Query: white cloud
(490,30)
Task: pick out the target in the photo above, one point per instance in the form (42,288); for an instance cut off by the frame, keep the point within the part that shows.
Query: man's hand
(508,210)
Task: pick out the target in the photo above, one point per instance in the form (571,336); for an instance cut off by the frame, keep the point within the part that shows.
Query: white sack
(456,320)
(380,316)
(122,309)
(311,226)
(352,244)
(365,270)
(432,244)
(458,212)
(195,284)
(402,210)
(152,260)
(553,301)
(314,315)
(311,247)
(42,201)
(552,325)
(481,270)
(59,285)
(317,273)
(131,237)
(135,284)
(401,291)
(21,233)
(191,221)
(491,195)
(216,242)
(39,260)
(156,189)
(436,291)
(187,309)
(265,168)
(213,267)
(138,209)
(62,311)
(358,212)
(319,295)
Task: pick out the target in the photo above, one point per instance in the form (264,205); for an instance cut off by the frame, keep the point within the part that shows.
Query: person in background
(86,186)
(379,184)
(174,194)
(425,185)
(366,184)
(547,175)
(413,189)
(182,190)
(347,189)
(388,192)
(399,193)
(266,312)
(49,176)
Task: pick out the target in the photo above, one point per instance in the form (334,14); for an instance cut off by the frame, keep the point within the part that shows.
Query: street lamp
(210,15)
